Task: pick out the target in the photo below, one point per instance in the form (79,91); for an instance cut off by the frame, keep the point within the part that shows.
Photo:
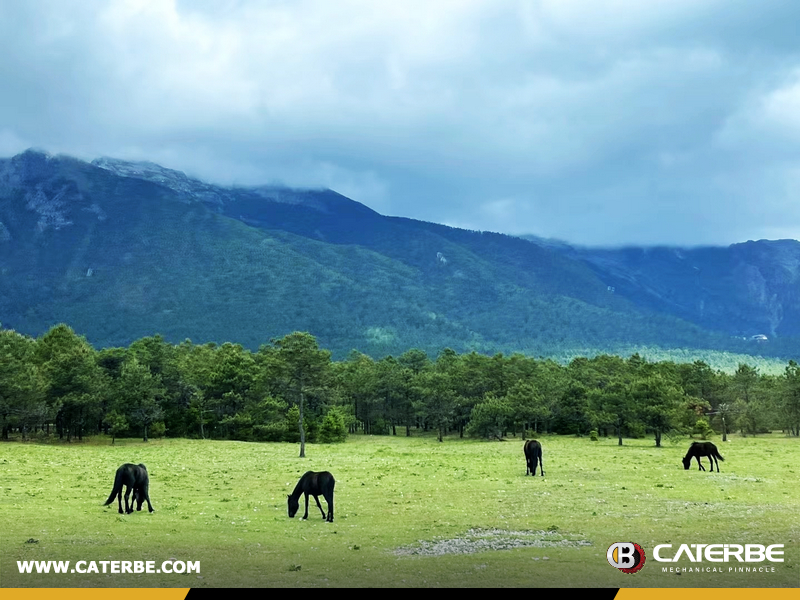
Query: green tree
(571,413)
(751,401)
(744,382)
(789,401)
(73,379)
(355,379)
(117,424)
(490,418)
(196,364)
(438,400)
(390,391)
(413,363)
(231,385)
(659,405)
(699,380)
(726,413)
(164,361)
(754,416)
(141,394)
(22,387)
(303,367)
(334,426)
(528,406)
(613,406)
(551,382)
(702,428)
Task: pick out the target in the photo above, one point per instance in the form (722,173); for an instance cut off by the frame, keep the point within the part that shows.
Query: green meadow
(409,512)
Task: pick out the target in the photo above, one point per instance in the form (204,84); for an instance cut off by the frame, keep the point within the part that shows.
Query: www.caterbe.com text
(108,566)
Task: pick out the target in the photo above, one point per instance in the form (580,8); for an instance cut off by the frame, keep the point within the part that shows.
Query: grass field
(406,510)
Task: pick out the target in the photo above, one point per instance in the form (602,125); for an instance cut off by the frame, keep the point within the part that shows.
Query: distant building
(759,338)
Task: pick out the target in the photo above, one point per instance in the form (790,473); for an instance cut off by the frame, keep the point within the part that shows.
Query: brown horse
(698,449)
(533,454)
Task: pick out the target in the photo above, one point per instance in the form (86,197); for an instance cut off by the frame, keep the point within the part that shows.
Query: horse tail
(117,487)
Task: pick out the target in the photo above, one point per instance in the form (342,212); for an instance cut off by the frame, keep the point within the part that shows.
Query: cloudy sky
(601,123)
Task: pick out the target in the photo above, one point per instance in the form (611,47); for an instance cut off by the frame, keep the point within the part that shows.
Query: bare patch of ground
(482,540)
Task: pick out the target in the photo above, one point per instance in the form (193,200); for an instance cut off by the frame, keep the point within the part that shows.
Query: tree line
(290,390)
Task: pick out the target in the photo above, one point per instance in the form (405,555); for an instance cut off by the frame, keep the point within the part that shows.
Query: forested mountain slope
(122,250)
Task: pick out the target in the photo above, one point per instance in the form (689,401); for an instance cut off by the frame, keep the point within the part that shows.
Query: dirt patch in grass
(483,540)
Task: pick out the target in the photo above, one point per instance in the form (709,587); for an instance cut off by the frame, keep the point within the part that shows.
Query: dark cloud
(600,123)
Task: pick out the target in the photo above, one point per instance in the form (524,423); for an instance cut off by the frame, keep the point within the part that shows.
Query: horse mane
(298,489)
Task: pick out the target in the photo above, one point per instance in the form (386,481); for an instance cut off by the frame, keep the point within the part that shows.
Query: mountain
(749,290)
(121,250)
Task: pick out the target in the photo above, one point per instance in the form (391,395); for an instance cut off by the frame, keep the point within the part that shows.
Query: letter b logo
(626,556)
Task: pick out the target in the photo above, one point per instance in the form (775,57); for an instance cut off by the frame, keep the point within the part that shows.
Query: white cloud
(10,143)
(569,112)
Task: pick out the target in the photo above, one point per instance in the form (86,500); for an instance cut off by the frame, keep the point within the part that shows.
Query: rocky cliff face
(51,199)
(190,190)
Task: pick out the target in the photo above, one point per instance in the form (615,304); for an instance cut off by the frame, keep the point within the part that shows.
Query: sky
(666,122)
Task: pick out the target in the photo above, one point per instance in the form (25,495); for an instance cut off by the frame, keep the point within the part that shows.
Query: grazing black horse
(314,484)
(135,478)
(533,454)
(698,449)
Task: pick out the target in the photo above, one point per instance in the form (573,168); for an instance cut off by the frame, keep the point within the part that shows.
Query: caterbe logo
(749,553)
(626,556)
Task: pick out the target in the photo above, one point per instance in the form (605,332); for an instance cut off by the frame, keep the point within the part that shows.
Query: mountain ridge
(190,259)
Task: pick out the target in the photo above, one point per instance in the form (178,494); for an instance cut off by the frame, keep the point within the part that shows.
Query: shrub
(380,427)
(702,428)
(636,430)
(273,432)
(334,427)
(157,430)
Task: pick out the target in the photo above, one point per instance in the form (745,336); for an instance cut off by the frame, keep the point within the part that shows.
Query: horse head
(294,504)
(687,461)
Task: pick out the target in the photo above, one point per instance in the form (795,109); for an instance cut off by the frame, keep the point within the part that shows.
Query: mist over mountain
(120,250)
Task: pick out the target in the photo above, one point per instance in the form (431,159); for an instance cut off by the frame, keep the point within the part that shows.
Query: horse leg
(700,466)
(541,466)
(128,509)
(147,497)
(329,500)
(324,516)
(119,501)
(305,516)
